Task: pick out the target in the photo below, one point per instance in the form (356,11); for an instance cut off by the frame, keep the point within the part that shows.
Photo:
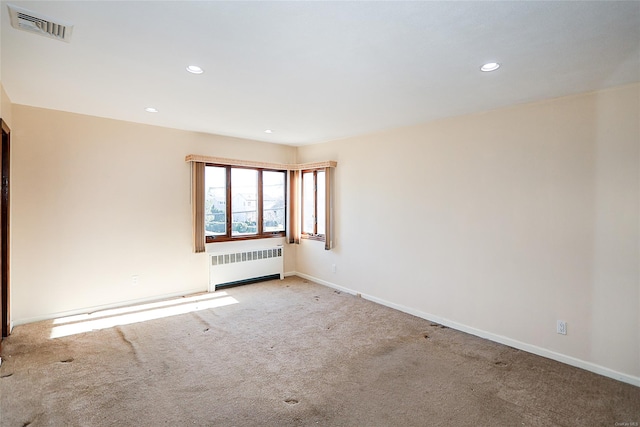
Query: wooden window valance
(265,165)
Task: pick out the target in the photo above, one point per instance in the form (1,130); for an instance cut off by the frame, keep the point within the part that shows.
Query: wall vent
(33,22)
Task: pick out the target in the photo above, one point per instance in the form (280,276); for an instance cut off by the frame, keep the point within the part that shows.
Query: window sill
(218,239)
(316,237)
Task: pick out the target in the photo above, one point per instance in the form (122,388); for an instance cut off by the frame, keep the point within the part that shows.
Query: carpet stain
(500,363)
(129,344)
(291,401)
(67,360)
(385,350)
(204,322)
(437,325)
(426,337)
(205,330)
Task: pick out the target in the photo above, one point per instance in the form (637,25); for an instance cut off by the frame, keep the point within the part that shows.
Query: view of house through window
(243,202)
(273,193)
(215,202)
(313,203)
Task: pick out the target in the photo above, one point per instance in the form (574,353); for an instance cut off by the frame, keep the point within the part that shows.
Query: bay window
(242,199)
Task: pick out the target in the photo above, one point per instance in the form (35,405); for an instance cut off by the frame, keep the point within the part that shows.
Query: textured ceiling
(314,71)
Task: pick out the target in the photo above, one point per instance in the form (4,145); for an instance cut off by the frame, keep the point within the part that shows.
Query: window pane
(320,181)
(244,201)
(308,202)
(215,202)
(273,197)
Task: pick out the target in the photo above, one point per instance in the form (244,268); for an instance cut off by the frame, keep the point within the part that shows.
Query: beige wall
(5,107)
(96,201)
(499,224)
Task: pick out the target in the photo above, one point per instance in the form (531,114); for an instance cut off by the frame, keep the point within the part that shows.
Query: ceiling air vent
(27,20)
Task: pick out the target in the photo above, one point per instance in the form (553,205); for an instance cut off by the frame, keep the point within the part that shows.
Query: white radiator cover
(246,264)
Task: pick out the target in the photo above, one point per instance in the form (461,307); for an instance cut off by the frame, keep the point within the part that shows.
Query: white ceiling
(314,71)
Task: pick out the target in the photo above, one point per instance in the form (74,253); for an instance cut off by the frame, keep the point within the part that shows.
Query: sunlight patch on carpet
(72,325)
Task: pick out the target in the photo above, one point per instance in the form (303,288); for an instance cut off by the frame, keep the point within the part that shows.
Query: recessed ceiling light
(268,131)
(194,69)
(151,110)
(490,66)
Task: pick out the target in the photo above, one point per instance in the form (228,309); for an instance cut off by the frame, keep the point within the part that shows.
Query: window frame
(260,233)
(303,234)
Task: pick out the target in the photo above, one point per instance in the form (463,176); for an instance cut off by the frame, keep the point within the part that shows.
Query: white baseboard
(17,322)
(569,360)
(329,284)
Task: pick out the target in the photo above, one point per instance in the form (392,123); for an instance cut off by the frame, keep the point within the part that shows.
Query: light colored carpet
(293,353)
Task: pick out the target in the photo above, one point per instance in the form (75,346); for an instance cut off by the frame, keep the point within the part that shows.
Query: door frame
(4,231)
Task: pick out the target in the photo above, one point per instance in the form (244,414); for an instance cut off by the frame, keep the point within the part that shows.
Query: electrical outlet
(333,268)
(561,327)
(135,279)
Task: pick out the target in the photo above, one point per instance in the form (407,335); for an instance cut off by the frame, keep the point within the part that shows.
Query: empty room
(320,213)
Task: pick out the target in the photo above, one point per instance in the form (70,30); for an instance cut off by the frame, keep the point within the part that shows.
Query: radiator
(226,269)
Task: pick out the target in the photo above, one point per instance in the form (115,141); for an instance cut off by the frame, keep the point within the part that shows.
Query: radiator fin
(245,256)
